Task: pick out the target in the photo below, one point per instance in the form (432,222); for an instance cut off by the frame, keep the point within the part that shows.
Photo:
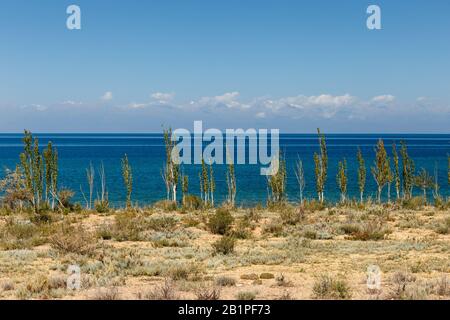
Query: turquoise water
(146,155)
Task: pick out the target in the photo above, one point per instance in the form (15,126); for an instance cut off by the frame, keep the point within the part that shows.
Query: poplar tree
(361,174)
(184,186)
(32,167)
(277,183)
(396,171)
(231,184)
(408,169)
(51,174)
(341,179)
(300,175)
(321,166)
(380,170)
(424,181)
(212,184)
(127,175)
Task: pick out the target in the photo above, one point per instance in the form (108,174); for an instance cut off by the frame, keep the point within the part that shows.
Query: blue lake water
(147,155)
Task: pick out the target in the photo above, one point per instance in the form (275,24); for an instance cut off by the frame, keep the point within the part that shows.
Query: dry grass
(280,253)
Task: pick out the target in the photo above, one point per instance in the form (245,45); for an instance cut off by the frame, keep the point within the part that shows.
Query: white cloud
(228,100)
(71,103)
(163,97)
(134,105)
(36,107)
(260,115)
(107,96)
(387,98)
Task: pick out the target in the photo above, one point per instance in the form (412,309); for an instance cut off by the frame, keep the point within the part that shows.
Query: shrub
(250,276)
(246,295)
(163,223)
(101,206)
(224,245)
(224,281)
(181,271)
(164,292)
(370,230)
(107,294)
(166,205)
(329,288)
(192,202)
(73,240)
(274,227)
(127,227)
(208,294)
(414,203)
(266,275)
(21,235)
(443,227)
(292,216)
(220,222)
(313,205)
(242,230)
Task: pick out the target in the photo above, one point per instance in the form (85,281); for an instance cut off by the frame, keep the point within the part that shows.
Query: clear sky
(294,65)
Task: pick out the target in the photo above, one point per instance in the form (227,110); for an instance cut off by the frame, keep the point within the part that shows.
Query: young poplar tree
(300,175)
(205,182)
(380,170)
(361,174)
(396,171)
(212,184)
(341,179)
(184,186)
(424,181)
(171,172)
(231,184)
(277,183)
(408,169)
(200,178)
(390,178)
(127,175)
(51,174)
(321,166)
(32,167)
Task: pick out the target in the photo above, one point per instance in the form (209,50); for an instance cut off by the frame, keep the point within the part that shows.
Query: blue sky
(293,65)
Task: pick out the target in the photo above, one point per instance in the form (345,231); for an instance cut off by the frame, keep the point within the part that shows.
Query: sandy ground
(413,254)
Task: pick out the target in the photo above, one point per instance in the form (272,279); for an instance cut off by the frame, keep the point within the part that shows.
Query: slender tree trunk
(379,194)
(389,193)
(361,195)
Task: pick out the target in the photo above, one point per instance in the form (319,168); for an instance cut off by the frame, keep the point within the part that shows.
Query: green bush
(192,202)
(224,245)
(414,203)
(166,205)
(220,222)
(328,288)
(101,206)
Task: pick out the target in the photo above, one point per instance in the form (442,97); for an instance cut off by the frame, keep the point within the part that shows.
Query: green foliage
(327,287)
(231,184)
(380,170)
(221,221)
(192,202)
(424,181)
(361,174)
(277,183)
(225,245)
(321,166)
(396,171)
(127,175)
(341,179)
(408,169)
